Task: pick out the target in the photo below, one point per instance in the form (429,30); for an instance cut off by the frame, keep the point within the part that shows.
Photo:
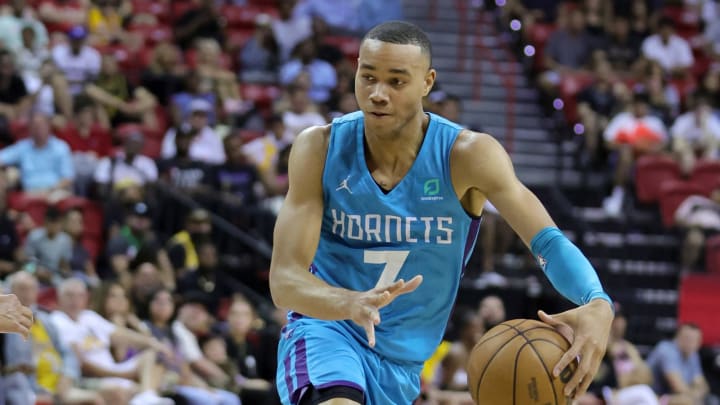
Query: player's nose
(379,95)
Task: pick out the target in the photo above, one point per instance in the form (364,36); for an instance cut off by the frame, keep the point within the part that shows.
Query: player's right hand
(14,317)
(365,306)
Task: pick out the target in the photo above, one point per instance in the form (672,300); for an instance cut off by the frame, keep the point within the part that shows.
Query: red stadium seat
(47,298)
(262,95)
(570,86)
(33,206)
(537,35)
(237,38)
(698,303)
(672,194)
(153,34)
(248,135)
(159,9)
(244,16)
(19,129)
(152,148)
(650,173)
(179,8)
(706,174)
(712,255)
(350,46)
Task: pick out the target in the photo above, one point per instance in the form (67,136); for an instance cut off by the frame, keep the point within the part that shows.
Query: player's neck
(391,151)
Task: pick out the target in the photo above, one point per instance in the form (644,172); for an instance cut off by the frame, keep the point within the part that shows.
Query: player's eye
(368,78)
(397,82)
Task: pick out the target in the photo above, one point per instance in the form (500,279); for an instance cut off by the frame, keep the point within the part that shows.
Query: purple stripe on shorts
(313,269)
(341,383)
(471,237)
(288,376)
(301,370)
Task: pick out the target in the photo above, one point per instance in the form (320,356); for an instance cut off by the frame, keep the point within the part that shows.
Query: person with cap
(259,56)
(78,61)
(182,247)
(206,146)
(127,167)
(181,171)
(136,244)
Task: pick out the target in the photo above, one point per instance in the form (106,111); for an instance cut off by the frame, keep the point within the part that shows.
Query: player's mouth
(379,114)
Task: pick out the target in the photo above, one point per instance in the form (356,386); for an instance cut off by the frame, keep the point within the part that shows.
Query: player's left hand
(587,327)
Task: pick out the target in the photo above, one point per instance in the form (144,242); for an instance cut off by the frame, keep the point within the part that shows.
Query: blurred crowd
(128,131)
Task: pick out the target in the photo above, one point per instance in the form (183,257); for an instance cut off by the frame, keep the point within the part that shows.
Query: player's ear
(429,81)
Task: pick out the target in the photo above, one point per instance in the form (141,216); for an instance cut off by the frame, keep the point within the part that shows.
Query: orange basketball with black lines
(513,362)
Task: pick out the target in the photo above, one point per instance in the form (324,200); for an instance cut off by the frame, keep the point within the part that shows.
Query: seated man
(91,337)
(50,248)
(45,162)
(41,365)
(676,367)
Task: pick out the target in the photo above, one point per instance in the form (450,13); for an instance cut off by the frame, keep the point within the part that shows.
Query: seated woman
(123,103)
(160,314)
(209,67)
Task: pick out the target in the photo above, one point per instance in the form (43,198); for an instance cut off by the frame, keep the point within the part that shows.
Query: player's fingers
(556,322)
(370,332)
(580,375)
(411,285)
(380,300)
(570,355)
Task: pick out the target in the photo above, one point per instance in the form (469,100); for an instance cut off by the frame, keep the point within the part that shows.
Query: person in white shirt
(128,167)
(630,134)
(79,62)
(696,134)
(300,115)
(91,336)
(207,146)
(289,30)
(672,52)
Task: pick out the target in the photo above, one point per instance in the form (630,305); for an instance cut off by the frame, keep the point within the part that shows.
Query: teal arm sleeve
(566,267)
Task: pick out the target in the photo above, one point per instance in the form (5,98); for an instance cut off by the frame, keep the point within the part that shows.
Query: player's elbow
(278,291)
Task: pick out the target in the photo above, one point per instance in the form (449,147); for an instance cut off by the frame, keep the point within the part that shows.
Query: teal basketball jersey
(370,237)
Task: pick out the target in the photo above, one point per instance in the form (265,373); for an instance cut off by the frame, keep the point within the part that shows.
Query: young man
(389,194)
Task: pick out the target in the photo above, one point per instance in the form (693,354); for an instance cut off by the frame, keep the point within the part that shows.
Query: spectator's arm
(11,155)
(685,59)
(90,369)
(124,335)
(168,144)
(67,169)
(167,275)
(120,265)
(50,13)
(185,31)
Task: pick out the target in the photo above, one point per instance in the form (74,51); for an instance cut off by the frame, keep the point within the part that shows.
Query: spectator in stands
(206,145)
(640,16)
(710,86)
(136,244)
(568,51)
(80,262)
(209,67)
(200,21)
(664,99)
(698,217)
(671,51)
(61,15)
(79,62)
(45,162)
(627,135)
(105,23)
(259,57)
(89,142)
(183,246)
(30,55)
(127,167)
(47,87)
(11,251)
(450,386)
(253,352)
(711,35)
(622,49)
(50,248)
(323,77)
(195,88)
(42,365)
(696,133)
(183,172)
(111,302)
(122,102)
(161,322)
(146,278)
(165,74)
(193,321)
(211,280)
(492,311)
(596,104)
(14,97)
(91,337)
(16,16)
(301,113)
(495,239)
(264,151)
(237,182)
(214,349)
(676,367)
(290,29)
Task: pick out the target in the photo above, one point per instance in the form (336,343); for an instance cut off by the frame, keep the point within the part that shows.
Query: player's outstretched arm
(14,317)
(296,237)
(480,164)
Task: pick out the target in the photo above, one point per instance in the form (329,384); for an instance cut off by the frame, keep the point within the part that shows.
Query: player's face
(390,83)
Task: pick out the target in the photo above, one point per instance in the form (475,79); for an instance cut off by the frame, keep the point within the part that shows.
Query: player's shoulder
(312,139)
(472,144)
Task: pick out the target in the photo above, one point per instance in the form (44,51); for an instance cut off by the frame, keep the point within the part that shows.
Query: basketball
(512,365)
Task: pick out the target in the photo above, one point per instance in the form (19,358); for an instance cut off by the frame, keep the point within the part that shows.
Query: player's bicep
(297,230)
(486,166)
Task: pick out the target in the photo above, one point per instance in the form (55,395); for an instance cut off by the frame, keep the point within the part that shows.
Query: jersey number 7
(393,261)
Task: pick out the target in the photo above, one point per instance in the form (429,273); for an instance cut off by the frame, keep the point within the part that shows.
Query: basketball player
(383,209)
(14,317)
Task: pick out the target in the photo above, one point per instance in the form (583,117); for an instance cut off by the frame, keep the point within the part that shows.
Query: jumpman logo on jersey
(344,185)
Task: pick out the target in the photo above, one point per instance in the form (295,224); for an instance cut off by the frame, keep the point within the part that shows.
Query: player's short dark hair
(401,33)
